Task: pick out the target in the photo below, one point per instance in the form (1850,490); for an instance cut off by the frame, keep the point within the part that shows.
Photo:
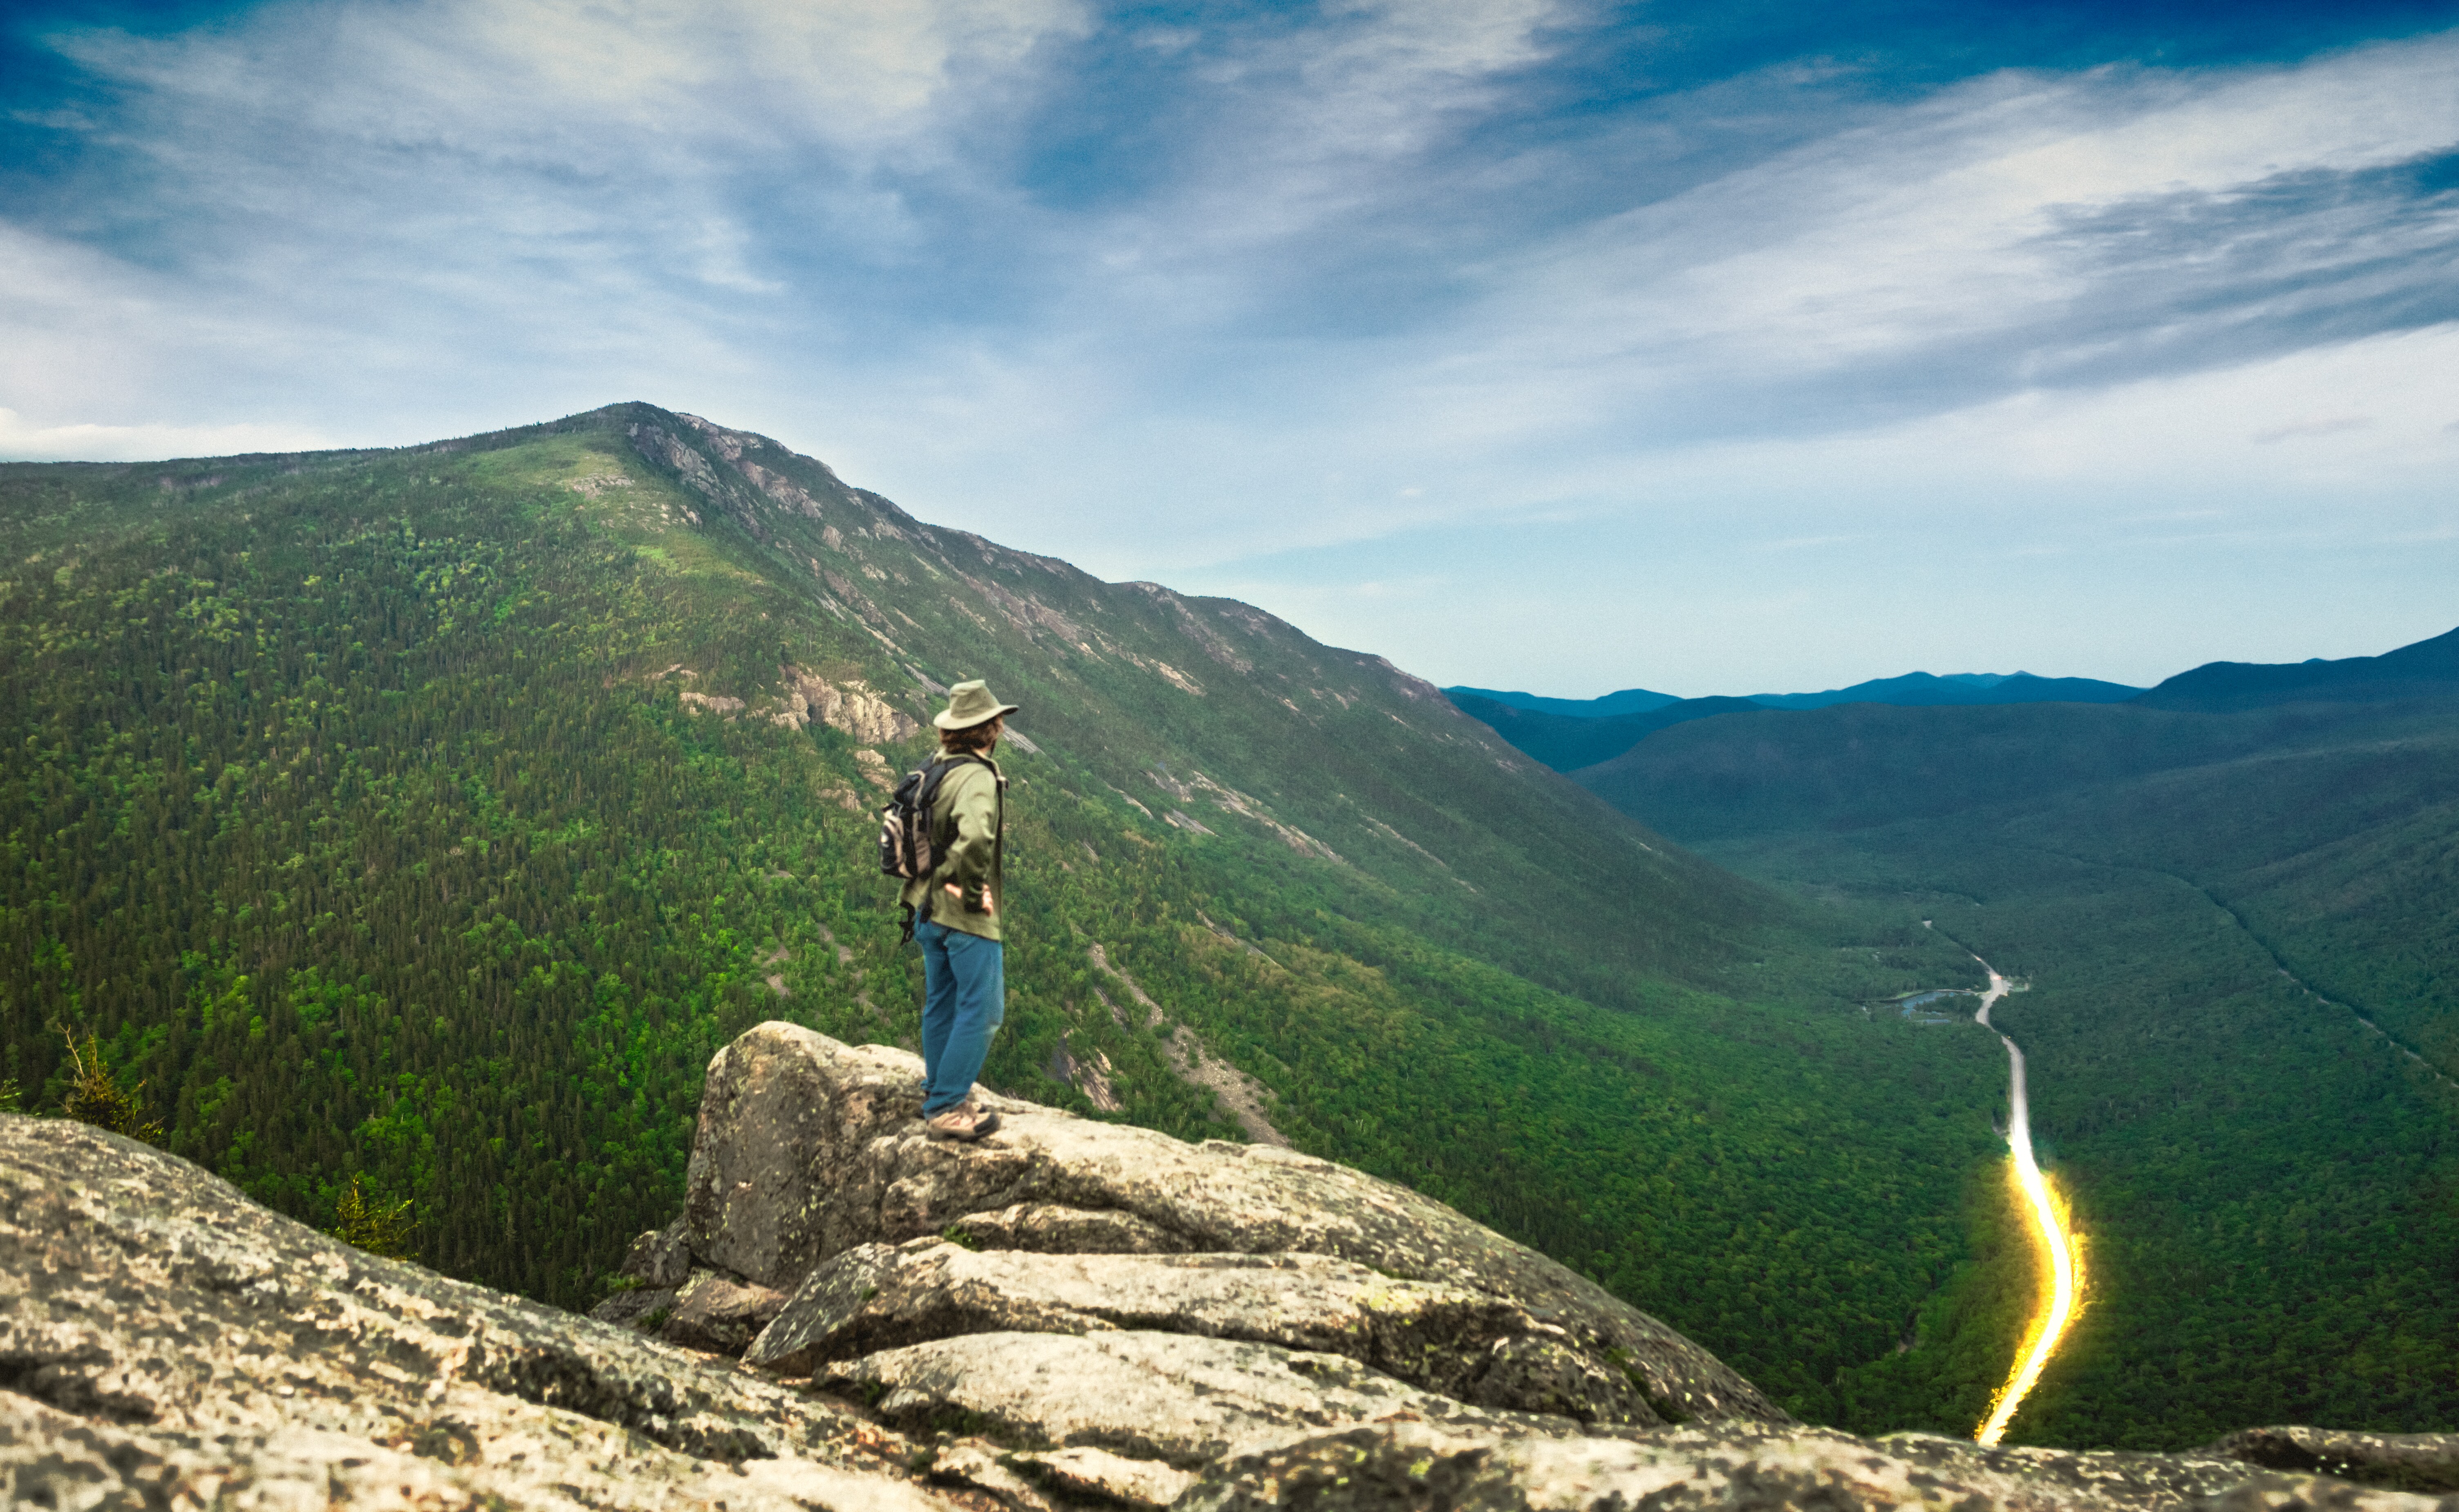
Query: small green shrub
(96,1095)
(370,1224)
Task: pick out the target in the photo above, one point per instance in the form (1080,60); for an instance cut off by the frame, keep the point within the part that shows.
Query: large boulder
(807,1147)
(165,1342)
(1107,1312)
(776,1180)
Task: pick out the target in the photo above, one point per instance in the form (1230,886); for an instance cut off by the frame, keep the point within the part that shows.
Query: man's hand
(989,904)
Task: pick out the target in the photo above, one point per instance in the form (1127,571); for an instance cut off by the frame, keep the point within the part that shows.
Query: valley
(430,818)
(2236,921)
(420,822)
(2057,1242)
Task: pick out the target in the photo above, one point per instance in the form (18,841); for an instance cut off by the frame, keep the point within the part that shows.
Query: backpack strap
(934,775)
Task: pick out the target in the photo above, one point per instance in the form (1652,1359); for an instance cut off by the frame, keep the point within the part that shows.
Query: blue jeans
(964,997)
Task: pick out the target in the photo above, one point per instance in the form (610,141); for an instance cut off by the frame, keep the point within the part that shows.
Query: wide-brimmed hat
(970,703)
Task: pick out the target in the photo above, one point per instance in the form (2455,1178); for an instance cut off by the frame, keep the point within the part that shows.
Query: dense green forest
(2240,929)
(425,819)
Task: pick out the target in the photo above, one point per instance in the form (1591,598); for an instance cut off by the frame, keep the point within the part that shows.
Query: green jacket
(966,819)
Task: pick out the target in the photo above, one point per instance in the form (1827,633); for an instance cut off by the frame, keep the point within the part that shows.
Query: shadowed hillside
(2242,1023)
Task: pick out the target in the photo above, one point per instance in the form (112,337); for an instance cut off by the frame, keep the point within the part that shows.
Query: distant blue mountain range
(1569,734)
(1922,690)
(1630,701)
(1915,689)
(2425,669)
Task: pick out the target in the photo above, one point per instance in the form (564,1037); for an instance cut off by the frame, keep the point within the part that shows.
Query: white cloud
(546,80)
(2319,426)
(1334,296)
(1932,228)
(2012,533)
(23,442)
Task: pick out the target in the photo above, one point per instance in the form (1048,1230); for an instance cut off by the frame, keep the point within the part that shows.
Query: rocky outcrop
(165,1342)
(1070,1316)
(1465,1345)
(807,1148)
(853,709)
(1158,1399)
(777,1182)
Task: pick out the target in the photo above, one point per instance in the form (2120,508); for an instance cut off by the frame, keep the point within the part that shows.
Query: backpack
(906,847)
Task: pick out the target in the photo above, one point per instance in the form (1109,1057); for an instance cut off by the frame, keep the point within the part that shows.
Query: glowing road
(2050,1235)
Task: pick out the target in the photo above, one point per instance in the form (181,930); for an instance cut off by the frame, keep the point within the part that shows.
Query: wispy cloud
(1193,296)
(2334,424)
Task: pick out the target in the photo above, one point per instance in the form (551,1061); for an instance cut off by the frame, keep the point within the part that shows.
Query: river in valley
(2052,1235)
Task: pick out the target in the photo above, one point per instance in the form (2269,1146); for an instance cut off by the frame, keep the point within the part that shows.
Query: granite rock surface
(2428,1462)
(807,1148)
(1071,1316)
(1405,1466)
(1165,1398)
(167,1343)
(1467,1345)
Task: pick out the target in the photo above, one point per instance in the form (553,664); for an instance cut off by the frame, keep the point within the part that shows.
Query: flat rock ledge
(1074,1317)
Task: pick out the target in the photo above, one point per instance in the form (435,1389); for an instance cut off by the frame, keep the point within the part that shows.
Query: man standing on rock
(956,914)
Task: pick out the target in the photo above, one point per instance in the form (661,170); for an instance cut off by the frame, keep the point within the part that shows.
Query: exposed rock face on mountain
(1072,1315)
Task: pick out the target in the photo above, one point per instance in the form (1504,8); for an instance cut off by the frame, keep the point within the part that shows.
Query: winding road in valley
(2050,1235)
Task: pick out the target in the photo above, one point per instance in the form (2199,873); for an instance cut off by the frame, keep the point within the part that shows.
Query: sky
(1702,346)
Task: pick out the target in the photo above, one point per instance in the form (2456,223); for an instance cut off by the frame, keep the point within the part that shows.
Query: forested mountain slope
(1861,764)
(432,816)
(2242,1023)
(1567,737)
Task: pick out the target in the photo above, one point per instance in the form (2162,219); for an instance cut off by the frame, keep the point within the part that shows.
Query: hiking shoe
(963,1123)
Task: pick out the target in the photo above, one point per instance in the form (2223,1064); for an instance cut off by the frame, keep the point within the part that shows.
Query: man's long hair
(973,740)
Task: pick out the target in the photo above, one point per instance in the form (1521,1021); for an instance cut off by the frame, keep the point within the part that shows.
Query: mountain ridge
(1569,734)
(1912,689)
(2421,669)
(430,816)
(1916,689)
(1566,744)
